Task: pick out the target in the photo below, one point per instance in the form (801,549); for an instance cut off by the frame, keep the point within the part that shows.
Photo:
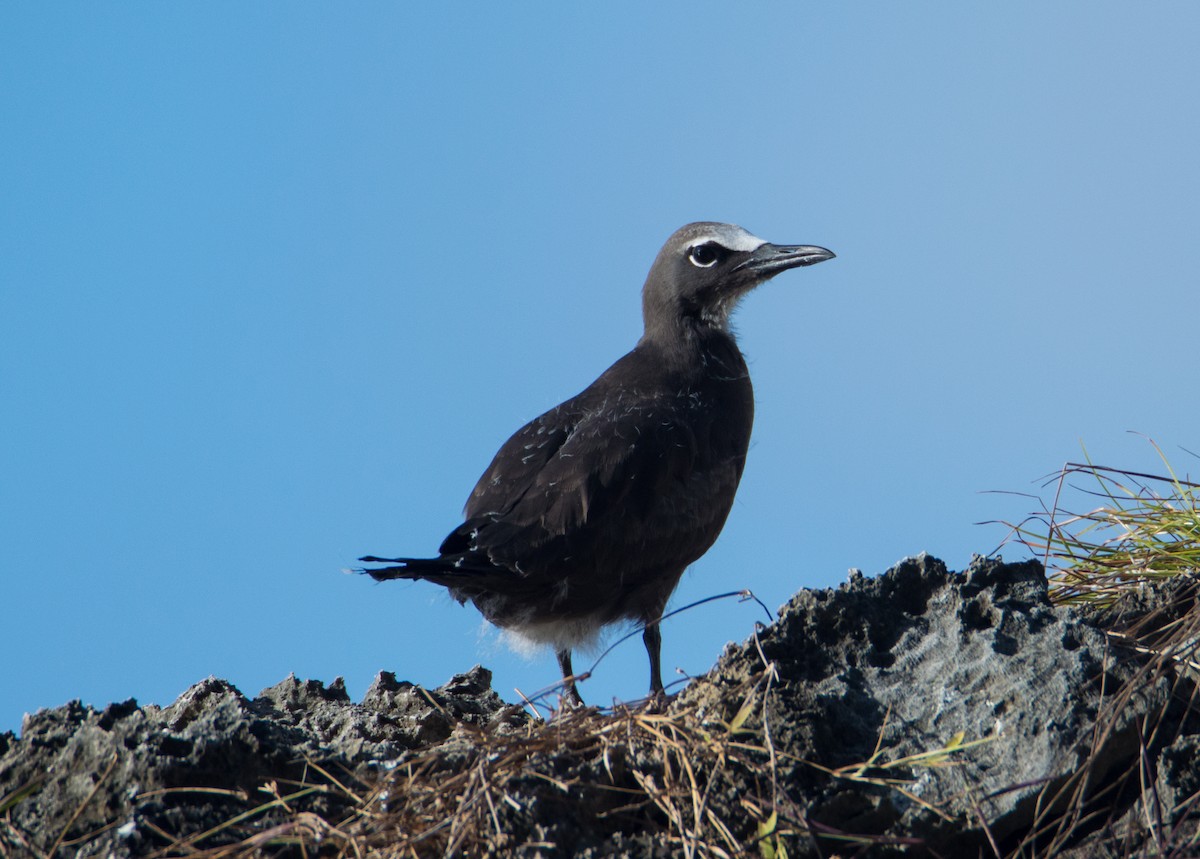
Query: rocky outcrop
(900,666)
(922,710)
(134,775)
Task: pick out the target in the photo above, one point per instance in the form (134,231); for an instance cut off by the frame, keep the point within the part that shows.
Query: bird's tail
(407,568)
(449,571)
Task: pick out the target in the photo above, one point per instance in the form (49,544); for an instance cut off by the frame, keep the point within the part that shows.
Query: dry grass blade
(79,810)
(896,773)
(1146,529)
(1144,532)
(664,773)
(10,800)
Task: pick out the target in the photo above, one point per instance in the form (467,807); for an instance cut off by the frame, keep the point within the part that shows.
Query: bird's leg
(568,673)
(652,638)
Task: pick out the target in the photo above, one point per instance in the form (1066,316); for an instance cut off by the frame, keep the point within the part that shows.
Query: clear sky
(277,280)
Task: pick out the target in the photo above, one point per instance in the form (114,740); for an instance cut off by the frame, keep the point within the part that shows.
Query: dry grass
(664,773)
(1140,532)
(698,787)
(1142,529)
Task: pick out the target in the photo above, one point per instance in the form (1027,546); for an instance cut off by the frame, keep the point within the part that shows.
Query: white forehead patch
(730,236)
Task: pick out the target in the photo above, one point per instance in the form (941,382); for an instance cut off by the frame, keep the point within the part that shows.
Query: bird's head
(705,268)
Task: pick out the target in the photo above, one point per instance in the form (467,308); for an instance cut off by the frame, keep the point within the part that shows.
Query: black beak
(768,260)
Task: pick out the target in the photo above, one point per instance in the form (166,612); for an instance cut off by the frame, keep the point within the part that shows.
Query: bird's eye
(706,255)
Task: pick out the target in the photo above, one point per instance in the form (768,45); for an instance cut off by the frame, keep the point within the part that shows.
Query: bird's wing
(517,465)
(577,474)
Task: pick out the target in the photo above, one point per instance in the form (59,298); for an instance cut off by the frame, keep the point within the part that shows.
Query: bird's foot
(656,702)
(571,699)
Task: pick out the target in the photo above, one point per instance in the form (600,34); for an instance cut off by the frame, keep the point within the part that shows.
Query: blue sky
(275,284)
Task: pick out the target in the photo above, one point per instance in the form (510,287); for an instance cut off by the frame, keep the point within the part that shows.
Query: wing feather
(598,471)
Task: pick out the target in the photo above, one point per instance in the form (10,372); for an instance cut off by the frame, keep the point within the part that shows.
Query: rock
(915,658)
(921,711)
(146,766)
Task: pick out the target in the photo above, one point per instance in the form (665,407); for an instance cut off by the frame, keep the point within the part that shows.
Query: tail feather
(445,570)
(409,568)
(385,574)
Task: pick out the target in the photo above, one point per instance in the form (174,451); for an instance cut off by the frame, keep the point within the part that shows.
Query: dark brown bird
(591,512)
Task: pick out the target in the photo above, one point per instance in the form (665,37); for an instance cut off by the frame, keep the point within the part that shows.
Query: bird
(590,513)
